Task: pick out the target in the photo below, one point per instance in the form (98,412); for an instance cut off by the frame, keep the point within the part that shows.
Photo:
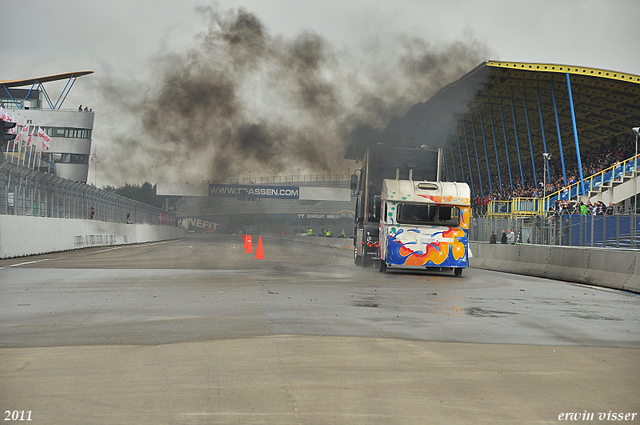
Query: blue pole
(495,145)
(544,139)
(515,131)
(45,95)
(475,146)
(575,134)
(453,158)
(533,163)
(486,155)
(506,147)
(555,110)
(17,106)
(61,99)
(464,127)
(29,94)
(464,179)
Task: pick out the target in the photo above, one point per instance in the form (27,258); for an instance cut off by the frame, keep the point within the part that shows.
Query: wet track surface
(205,288)
(197,331)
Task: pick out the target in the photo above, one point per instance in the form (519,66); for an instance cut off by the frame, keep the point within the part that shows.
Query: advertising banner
(248,191)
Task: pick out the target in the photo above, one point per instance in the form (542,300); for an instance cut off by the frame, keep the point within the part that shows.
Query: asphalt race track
(196,331)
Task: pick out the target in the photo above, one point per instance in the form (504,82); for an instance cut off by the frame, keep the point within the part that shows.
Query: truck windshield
(428,214)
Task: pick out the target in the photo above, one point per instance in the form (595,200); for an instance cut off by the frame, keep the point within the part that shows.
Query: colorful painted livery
(424,224)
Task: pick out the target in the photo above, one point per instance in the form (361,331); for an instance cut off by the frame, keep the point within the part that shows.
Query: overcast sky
(129,40)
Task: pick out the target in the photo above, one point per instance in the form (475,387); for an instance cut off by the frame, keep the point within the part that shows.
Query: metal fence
(283,179)
(25,191)
(612,231)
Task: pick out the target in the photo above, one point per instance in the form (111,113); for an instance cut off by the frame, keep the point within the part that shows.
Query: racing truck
(380,162)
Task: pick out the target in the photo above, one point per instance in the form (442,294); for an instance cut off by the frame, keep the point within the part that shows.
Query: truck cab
(381,162)
(424,224)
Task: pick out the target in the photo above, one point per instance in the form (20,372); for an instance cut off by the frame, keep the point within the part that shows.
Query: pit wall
(610,268)
(27,235)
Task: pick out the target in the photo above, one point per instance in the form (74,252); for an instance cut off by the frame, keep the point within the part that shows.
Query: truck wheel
(357,259)
(383,267)
(457,272)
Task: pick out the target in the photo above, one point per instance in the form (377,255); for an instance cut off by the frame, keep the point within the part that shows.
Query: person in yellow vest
(310,232)
(328,234)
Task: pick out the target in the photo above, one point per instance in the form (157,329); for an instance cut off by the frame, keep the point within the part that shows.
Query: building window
(68,158)
(77,133)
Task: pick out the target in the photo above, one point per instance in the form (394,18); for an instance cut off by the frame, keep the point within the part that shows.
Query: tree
(145,193)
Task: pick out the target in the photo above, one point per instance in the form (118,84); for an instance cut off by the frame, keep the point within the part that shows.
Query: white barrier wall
(26,235)
(610,268)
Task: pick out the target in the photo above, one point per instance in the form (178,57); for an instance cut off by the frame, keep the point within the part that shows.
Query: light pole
(547,157)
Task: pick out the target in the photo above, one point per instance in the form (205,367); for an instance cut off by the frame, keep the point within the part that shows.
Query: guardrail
(611,231)
(29,192)
(514,207)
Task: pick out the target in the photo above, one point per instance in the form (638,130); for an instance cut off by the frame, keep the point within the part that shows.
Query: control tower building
(27,102)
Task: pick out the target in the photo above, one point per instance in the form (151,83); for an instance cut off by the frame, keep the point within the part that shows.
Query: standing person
(328,233)
(511,238)
(493,239)
(503,238)
(92,214)
(584,210)
(611,210)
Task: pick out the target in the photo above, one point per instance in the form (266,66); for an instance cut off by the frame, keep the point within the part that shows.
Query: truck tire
(383,267)
(357,260)
(457,272)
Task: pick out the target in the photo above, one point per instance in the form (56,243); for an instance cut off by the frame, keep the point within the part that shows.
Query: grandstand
(496,122)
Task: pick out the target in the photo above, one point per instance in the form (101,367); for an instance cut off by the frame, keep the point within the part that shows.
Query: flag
(4,114)
(94,158)
(31,137)
(45,139)
(24,133)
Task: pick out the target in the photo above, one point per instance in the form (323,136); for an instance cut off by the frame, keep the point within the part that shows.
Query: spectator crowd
(594,161)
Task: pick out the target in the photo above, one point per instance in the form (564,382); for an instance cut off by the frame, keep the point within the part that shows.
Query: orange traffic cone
(244,238)
(259,252)
(249,246)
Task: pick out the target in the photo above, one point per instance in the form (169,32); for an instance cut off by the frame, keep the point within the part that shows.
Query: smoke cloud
(241,101)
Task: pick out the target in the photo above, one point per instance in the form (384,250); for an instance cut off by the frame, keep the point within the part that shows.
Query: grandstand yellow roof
(31,81)
(607,104)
